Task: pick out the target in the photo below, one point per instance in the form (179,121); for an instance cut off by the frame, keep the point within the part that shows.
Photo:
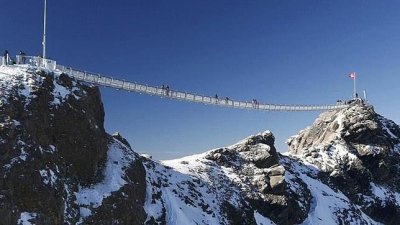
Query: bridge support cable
(106,81)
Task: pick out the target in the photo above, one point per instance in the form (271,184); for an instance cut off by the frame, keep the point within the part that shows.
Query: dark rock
(50,145)
(119,137)
(354,146)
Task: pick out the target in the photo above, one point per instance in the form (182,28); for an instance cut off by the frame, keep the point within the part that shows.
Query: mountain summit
(59,166)
(359,152)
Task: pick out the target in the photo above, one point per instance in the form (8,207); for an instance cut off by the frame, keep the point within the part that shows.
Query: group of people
(226,98)
(255,103)
(351,101)
(165,88)
(7,60)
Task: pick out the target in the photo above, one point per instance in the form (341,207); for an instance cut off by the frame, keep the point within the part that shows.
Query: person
(6,58)
(255,102)
(22,56)
(167,89)
(216,96)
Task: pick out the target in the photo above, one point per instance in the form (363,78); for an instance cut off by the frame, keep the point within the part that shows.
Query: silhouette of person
(23,57)
(6,58)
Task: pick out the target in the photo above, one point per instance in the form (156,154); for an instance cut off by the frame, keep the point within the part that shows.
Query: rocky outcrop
(245,178)
(358,152)
(53,145)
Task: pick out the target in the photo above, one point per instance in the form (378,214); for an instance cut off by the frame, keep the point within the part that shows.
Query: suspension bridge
(107,81)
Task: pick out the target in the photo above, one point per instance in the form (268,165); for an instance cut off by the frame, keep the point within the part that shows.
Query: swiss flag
(352,75)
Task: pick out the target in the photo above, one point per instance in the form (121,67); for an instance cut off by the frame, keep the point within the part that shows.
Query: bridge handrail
(99,79)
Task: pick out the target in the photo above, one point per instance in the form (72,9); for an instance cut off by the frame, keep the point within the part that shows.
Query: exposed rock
(52,144)
(119,137)
(259,179)
(277,184)
(359,151)
(276,170)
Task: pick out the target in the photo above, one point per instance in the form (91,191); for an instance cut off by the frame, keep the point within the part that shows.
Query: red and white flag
(352,75)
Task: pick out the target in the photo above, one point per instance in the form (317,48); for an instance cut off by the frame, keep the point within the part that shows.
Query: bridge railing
(36,61)
(98,79)
(152,90)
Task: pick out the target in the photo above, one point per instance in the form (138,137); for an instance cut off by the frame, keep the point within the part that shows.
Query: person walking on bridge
(6,58)
(167,90)
(22,58)
(255,104)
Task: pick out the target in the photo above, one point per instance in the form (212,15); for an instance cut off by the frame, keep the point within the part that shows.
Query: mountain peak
(358,152)
(358,126)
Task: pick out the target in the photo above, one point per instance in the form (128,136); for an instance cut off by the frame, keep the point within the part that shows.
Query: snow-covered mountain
(357,153)
(59,166)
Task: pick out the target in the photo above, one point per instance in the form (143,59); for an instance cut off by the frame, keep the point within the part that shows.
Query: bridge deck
(101,80)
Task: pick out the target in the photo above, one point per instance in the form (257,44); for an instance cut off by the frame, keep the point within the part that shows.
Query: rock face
(53,149)
(240,184)
(358,152)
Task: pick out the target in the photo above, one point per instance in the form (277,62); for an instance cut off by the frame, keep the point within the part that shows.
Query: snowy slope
(222,186)
(197,190)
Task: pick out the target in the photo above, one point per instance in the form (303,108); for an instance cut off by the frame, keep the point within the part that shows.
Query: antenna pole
(44,29)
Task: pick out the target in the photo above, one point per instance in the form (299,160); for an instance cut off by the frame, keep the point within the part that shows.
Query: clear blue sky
(274,51)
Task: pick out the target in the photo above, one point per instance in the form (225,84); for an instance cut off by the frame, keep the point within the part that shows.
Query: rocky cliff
(59,166)
(357,152)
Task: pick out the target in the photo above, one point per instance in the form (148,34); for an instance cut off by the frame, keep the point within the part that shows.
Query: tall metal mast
(44,29)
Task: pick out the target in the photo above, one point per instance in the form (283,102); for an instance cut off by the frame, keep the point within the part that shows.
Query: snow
(379,192)
(118,159)
(17,76)
(384,194)
(60,93)
(16,123)
(330,159)
(23,156)
(48,176)
(177,210)
(52,149)
(328,206)
(385,124)
(27,81)
(185,193)
(25,218)
(85,212)
(261,220)
(397,198)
